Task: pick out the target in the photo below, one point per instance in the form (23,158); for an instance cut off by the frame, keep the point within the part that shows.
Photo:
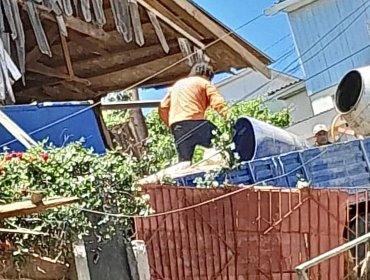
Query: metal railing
(302,268)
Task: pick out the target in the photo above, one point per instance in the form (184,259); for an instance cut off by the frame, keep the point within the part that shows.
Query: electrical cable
(183,209)
(185,136)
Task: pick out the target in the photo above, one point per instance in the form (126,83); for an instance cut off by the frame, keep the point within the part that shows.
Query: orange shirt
(188,99)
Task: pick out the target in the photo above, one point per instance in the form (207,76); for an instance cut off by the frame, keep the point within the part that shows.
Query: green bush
(161,147)
(102,182)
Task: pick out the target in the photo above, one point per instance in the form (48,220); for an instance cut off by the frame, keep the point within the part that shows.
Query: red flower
(19,155)
(44,156)
(8,156)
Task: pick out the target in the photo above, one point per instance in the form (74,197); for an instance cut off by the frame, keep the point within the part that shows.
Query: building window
(322,104)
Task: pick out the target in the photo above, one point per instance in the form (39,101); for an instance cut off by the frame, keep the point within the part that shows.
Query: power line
(185,136)
(277,42)
(355,18)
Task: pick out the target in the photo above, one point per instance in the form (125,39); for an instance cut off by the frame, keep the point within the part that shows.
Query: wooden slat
(77,25)
(66,55)
(158,29)
(27,207)
(218,31)
(171,23)
(22,231)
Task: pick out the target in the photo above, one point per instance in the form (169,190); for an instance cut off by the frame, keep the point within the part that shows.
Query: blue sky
(262,33)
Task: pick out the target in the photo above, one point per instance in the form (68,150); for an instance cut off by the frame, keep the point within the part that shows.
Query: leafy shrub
(102,182)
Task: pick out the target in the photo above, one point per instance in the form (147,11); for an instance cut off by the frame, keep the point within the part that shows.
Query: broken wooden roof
(83,49)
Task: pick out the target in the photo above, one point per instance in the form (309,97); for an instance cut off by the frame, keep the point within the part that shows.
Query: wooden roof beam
(51,72)
(126,77)
(218,31)
(125,58)
(171,23)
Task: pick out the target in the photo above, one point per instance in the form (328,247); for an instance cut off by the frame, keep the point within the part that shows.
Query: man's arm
(164,108)
(215,99)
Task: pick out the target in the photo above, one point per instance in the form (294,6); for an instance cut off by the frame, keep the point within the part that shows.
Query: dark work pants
(188,134)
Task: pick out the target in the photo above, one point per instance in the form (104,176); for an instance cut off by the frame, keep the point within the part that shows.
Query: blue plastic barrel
(60,123)
(255,139)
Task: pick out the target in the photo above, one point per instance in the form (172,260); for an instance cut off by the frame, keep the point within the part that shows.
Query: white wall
(301,105)
(249,84)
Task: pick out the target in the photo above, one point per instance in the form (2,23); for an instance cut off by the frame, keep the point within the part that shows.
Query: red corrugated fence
(255,234)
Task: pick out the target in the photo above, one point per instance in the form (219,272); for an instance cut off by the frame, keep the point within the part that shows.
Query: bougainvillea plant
(102,182)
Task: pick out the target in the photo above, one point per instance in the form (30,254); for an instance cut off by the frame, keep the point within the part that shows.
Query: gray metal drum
(255,139)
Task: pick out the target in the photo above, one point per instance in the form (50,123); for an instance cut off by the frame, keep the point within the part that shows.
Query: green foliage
(103,183)
(116,117)
(160,145)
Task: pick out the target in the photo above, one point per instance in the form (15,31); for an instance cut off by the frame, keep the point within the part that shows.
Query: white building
(331,37)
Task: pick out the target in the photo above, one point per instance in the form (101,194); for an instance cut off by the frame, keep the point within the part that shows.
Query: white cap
(318,128)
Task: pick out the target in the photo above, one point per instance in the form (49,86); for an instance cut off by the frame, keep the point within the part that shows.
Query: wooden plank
(158,30)
(16,131)
(38,29)
(51,72)
(115,80)
(22,231)
(136,22)
(171,23)
(66,55)
(218,31)
(124,58)
(27,207)
(186,51)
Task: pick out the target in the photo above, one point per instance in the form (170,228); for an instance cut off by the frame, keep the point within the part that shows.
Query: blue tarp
(60,123)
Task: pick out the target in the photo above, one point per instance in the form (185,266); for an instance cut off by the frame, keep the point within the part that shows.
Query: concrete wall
(301,106)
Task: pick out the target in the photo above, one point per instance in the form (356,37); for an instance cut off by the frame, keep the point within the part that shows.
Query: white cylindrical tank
(352,99)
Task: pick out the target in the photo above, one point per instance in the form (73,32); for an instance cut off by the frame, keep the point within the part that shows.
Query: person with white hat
(321,135)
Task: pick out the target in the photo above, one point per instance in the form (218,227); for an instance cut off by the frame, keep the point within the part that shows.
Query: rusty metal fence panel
(255,234)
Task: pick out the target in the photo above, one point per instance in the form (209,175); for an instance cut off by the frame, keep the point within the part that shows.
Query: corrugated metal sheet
(311,23)
(255,234)
(344,165)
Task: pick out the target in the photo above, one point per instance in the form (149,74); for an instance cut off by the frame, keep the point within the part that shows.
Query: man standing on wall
(183,110)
